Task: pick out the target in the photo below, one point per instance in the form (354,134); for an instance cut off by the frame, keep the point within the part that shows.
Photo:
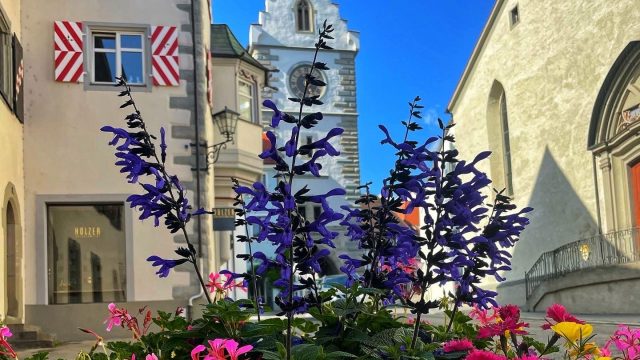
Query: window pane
(132,67)
(6,67)
(131,41)
(245,101)
(105,67)
(104,41)
(244,89)
(86,252)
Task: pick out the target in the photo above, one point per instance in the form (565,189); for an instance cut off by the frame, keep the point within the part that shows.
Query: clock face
(297,81)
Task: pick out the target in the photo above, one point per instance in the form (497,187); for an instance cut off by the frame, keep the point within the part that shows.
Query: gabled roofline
(476,53)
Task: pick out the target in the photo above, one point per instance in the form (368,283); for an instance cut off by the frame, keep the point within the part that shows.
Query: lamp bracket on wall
(212,152)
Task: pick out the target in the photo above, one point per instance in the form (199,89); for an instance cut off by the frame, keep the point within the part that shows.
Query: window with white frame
(304,16)
(117,54)
(6,61)
(246,101)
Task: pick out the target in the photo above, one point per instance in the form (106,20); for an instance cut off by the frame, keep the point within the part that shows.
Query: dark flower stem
(384,211)
(291,176)
(424,286)
(249,241)
(193,259)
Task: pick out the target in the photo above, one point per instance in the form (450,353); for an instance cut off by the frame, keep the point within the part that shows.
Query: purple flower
(165,264)
(277,114)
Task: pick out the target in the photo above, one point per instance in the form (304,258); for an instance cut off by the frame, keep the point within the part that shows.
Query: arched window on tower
(304,16)
(498,128)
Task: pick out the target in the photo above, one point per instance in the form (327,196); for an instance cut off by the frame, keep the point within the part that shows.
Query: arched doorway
(13,305)
(11,242)
(615,145)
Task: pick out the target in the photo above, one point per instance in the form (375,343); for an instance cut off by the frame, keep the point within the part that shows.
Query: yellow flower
(587,349)
(603,357)
(572,332)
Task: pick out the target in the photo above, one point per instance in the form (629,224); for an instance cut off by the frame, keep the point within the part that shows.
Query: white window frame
(5,32)
(309,16)
(252,99)
(118,51)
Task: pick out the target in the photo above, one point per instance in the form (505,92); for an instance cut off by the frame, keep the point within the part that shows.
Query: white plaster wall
(11,159)
(66,154)
(552,65)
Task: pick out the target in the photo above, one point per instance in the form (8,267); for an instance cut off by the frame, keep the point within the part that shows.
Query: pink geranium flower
(457,345)
(508,320)
(234,351)
(219,350)
(151,356)
(114,317)
(220,285)
(482,315)
(5,348)
(559,314)
(476,354)
(626,340)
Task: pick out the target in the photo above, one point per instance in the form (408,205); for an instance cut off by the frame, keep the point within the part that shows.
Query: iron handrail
(617,247)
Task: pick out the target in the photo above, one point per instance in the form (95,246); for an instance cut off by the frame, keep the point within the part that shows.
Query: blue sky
(407,48)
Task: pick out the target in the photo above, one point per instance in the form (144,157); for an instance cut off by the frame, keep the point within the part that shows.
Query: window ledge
(111,87)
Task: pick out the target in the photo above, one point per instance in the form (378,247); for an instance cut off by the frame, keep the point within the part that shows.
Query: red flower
(558,313)
(509,320)
(457,345)
(476,354)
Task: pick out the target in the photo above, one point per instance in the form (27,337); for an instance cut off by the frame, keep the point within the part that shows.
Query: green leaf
(339,355)
(306,352)
(270,355)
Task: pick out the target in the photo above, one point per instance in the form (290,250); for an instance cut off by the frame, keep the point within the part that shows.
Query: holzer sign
(224,219)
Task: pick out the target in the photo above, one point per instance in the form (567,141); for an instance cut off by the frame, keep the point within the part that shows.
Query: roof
(476,53)
(225,44)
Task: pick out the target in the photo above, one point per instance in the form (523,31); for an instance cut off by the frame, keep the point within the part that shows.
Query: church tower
(283,40)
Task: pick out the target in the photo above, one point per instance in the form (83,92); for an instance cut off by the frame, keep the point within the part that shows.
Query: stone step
(26,335)
(29,337)
(31,344)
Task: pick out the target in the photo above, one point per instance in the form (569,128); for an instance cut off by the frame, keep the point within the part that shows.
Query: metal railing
(616,247)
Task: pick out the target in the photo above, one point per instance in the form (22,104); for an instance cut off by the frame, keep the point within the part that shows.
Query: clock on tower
(297,81)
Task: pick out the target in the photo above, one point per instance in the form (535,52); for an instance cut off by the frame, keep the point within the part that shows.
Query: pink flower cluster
(558,313)
(121,317)
(508,320)
(151,356)
(457,345)
(5,348)
(221,285)
(218,348)
(626,340)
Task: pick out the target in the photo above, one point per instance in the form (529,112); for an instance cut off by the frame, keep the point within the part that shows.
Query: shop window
(116,54)
(86,249)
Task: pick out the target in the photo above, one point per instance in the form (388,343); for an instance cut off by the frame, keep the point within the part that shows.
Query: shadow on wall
(559,217)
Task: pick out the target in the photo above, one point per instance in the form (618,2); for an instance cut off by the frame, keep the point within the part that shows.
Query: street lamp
(226,121)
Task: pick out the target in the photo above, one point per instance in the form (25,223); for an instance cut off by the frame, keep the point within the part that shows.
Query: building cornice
(253,47)
(484,35)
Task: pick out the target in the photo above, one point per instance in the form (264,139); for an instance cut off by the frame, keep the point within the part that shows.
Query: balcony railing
(616,247)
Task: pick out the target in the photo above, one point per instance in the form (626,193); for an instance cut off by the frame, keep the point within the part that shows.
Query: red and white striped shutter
(164,56)
(68,47)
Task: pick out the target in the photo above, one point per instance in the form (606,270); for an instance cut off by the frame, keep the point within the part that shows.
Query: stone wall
(551,65)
